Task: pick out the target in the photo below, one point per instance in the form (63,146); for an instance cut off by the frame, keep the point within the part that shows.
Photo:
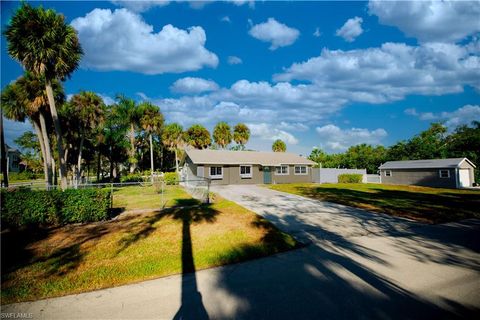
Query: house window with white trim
(444,173)
(388,173)
(216,172)
(246,171)
(281,170)
(300,170)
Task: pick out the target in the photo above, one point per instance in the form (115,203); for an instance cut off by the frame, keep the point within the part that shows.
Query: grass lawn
(49,262)
(138,197)
(430,205)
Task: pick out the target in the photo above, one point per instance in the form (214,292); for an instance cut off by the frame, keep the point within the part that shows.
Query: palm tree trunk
(176,160)
(132,150)
(98,166)
(46,167)
(79,161)
(3,152)
(48,150)
(58,133)
(151,157)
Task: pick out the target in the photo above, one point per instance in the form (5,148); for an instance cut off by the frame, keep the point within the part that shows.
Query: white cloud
(351,29)
(226,19)
(390,72)
(193,85)
(278,34)
(13,130)
(140,5)
(234,60)
(107,99)
(122,41)
(268,132)
(250,3)
(317,33)
(336,139)
(293,126)
(437,21)
(463,115)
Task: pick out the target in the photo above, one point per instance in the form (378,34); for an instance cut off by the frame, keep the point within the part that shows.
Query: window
(388,173)
(246,171)
(216,172)
(444,173)
(300,170)
(281,170)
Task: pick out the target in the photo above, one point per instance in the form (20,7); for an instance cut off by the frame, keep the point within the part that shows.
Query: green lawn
(138,197)
(49,262)
(431,205)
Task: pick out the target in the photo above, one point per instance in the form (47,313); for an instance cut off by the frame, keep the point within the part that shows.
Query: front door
(267,175)
(464,177)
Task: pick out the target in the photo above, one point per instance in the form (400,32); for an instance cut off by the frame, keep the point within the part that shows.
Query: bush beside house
(350,178)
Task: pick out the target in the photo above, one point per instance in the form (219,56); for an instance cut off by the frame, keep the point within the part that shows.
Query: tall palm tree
(45,45)
(89,110)
(152,122)
(241,134)
(128,110)
(3,153)
(279,146)
(198,137)
(222,134)
(172,137)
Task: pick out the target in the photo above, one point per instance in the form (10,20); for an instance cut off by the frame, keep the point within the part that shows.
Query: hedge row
(34,207)
(350,178)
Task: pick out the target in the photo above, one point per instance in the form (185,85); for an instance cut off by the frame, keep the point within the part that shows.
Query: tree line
(434,143)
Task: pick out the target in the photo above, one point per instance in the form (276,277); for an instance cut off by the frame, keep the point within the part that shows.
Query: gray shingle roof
(431,163)
(245,157)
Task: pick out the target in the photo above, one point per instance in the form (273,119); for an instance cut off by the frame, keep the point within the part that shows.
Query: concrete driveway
(358,265)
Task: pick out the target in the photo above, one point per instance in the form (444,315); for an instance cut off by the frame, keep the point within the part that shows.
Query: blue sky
(326,74)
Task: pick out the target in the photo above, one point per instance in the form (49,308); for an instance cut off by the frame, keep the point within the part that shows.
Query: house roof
(245,157)
(425,164)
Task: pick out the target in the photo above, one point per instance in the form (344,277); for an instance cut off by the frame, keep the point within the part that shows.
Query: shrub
(132,178)
(350,178)
(34,207)
(171,178)
(25,175)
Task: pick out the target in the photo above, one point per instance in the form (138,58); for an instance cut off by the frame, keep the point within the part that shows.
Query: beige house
(440,173)
(247,167)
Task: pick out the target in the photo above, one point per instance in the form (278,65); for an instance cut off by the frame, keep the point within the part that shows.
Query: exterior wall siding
(292,177)
(420,177)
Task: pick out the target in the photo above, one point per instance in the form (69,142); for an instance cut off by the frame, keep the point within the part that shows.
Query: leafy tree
(152,122)
(48,47)
(365,156)
(279,146)
(172,137)
(3,153)
(222,134)
(465,142)
(198,137)
(241,134)
(131,114)
(28,142)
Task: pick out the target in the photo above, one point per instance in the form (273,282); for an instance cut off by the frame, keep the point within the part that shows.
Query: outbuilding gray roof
(222,157)
(425,164)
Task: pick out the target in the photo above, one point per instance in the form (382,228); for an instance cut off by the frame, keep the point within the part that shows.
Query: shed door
(464,177)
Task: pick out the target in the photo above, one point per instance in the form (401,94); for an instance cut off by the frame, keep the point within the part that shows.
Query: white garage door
(464,176)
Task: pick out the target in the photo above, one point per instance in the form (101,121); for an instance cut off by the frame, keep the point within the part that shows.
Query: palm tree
(27,98)
(152,122)
(130,113)
(3,153)
(45,45)
(241,134)
(172,138)
(89,110)
(279,146)
(222,134)
(198,137)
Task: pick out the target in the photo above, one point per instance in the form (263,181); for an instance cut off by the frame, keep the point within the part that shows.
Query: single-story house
(13,159)
(247,167)
(441,173)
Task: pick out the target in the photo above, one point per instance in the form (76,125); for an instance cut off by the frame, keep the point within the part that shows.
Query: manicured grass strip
(430,205)
(53,262)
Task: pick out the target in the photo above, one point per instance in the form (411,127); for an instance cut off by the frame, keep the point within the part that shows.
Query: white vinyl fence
(373,178)
(330,175)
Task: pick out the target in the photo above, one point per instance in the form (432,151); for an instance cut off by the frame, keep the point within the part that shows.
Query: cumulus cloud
(140,5)
(293,126)
(278,34)
(121,40)
(392,71)
(234,60)
(463,115)
(190,85)
(268,132)
(430,21)
(336,139)
(351,29)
